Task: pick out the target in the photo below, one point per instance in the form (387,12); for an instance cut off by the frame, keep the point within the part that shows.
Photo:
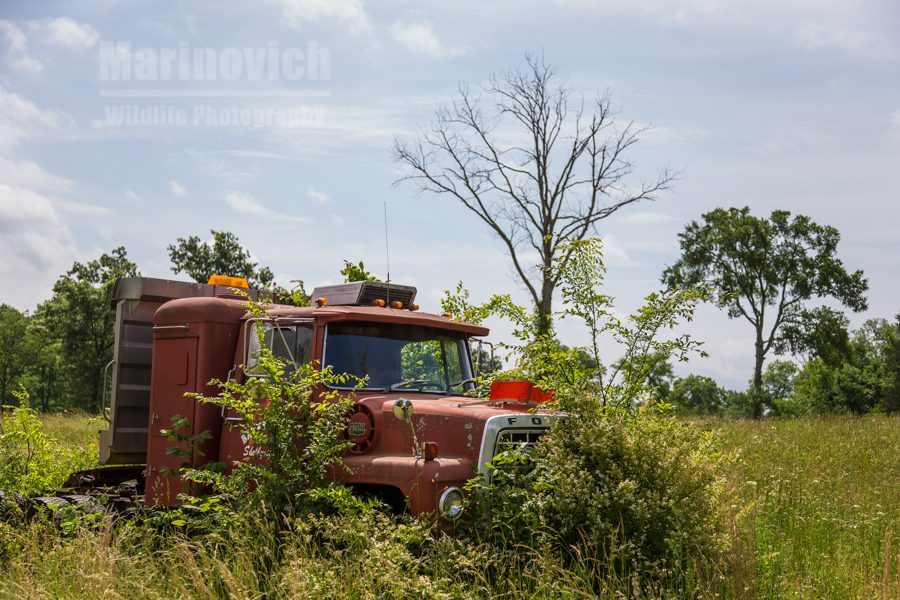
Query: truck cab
(416,436)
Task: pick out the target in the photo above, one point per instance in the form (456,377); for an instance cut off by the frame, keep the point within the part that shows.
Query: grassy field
(817,515)
(820,506)
(76,428)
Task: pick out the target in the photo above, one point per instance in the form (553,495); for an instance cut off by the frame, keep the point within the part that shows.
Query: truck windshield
(399,357)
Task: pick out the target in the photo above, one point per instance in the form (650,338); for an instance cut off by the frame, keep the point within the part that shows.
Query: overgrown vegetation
(620,498)
(815,517)
(293,421)
(33,460)
(619,482)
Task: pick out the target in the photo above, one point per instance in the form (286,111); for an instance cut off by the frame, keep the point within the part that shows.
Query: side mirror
(403,409)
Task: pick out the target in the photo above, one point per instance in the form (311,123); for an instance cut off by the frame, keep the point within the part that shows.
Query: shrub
(642,493)
(296,435)
(620,481)
(31,460)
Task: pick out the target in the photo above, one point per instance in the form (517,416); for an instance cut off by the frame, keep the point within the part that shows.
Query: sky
(135,123)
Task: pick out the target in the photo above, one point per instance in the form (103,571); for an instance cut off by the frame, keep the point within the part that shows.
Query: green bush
(848,388)
(296,432)
(31,460)
(642,493)
(645,491)
(619,482)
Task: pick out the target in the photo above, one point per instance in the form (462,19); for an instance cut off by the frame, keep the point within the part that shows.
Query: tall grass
(817,516)
(820,505)
(75,428)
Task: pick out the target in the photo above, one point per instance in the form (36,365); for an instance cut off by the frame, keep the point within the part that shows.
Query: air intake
(365,293)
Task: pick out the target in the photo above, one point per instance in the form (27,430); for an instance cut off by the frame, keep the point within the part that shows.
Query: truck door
(174,375)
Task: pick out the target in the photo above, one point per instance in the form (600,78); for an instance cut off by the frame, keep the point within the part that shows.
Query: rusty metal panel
(136,300)
(175,373)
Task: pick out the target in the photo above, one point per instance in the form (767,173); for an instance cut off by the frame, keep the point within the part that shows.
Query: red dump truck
(416,437)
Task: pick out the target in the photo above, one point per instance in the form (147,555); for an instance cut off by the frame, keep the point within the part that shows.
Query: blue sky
(792,105)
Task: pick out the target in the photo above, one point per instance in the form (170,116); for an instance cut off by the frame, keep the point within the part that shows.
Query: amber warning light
(235,282)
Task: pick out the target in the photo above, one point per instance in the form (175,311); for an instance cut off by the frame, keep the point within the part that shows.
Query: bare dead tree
(530,162)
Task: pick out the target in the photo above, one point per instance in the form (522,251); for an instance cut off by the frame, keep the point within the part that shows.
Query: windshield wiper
(461,382)
(422,384)
(404,385)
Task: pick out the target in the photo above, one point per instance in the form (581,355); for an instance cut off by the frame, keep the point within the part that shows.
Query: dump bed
(135,300)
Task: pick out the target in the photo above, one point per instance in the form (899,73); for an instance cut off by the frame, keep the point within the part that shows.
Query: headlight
(451,503)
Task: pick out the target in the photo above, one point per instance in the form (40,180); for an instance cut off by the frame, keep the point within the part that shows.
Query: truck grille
(513,440)
(510,432)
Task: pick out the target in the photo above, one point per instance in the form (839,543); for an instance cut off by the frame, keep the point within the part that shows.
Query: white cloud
(17,49)
(15,38)
(21,119)
(26,64)
(646,218)
(337,219)
(177,189)
(66,32)
(133,196)
(346,126)
(348,14)
(894,123)
(420,37)
(250,153)
(613,252)
(35,243)
(25,174)
(817,36)
(80,208)
(245,204)
(317,196)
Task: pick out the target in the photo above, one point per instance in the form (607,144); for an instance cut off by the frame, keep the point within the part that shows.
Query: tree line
(59,351)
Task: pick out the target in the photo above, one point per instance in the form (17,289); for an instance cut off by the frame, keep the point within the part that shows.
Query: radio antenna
(387,254)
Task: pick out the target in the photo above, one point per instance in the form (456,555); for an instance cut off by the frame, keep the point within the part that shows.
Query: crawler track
(117,491)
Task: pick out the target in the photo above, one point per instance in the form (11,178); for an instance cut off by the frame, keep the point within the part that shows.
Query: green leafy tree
(891,399)
(697,394)
(859,384)
(223,255)
(660,375)
(486,362)
(356,272)
(765,271)
(80,316)
(818,333)
(536,197)
(778,379)
(15,351)
(44,376)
